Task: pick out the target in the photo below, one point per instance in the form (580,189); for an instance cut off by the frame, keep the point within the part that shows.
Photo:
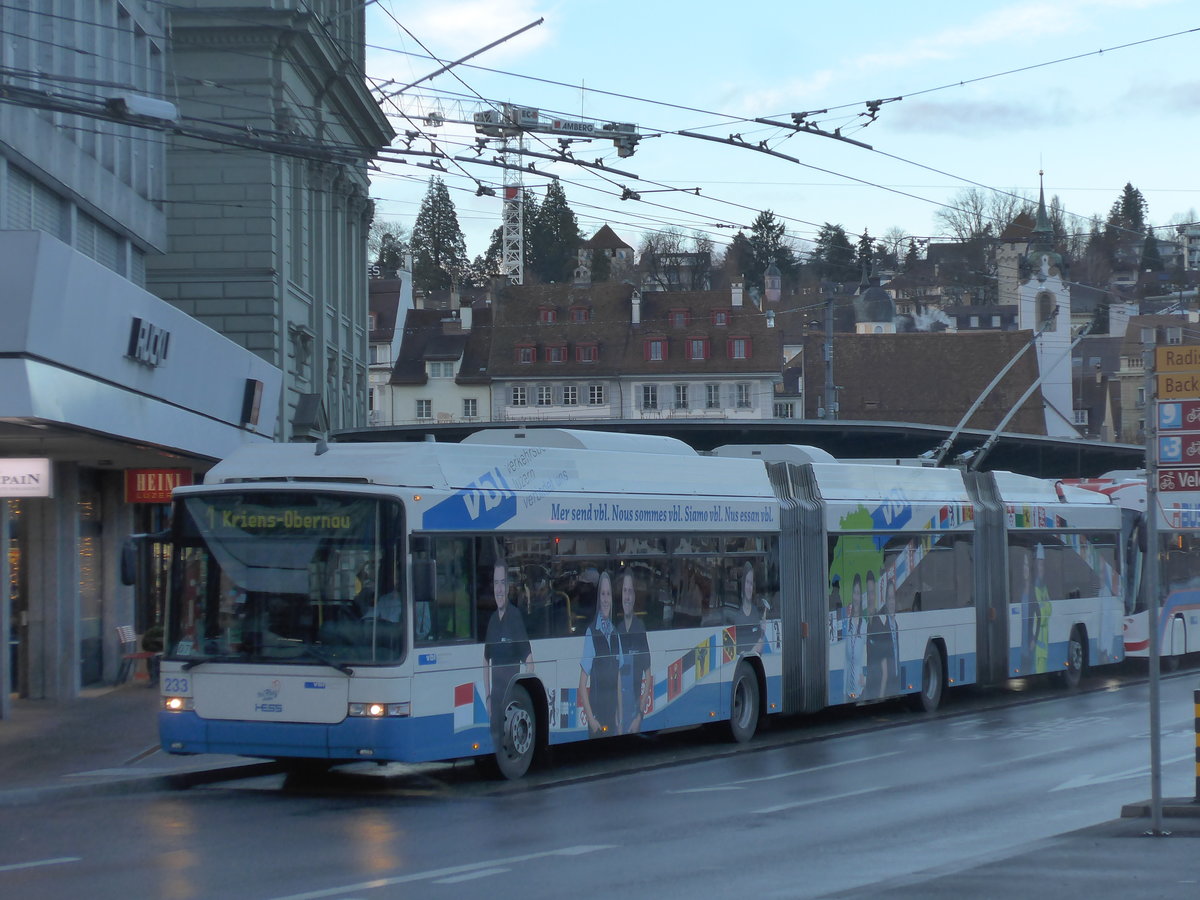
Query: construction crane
(511,123)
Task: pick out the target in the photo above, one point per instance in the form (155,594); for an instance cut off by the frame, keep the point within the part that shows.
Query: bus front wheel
(518,738)
(744,705)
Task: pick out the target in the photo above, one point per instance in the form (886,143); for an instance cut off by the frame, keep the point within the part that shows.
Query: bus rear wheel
(1073,673)
(517,741)
(744,705)
(933,681)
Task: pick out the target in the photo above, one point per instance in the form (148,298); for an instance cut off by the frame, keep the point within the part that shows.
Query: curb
(1175,808)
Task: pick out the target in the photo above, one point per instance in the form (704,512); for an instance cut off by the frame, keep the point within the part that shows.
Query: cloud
(453,29)
(791,95)
(975,118)
(1034,20)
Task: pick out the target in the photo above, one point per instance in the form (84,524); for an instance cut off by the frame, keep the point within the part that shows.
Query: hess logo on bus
(266,698)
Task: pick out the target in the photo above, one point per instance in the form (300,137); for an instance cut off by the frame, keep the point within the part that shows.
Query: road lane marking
(1139,772)
(812,801)
(448,871)
(736,785)
(471,876)
(56,861)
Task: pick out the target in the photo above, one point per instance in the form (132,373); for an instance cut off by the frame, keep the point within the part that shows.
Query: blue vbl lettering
(486,502)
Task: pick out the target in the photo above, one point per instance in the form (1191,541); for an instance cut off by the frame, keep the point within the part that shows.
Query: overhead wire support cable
(736,140)
(448,66)
(813,129)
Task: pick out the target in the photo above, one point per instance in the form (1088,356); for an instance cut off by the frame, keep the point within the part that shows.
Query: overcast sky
(985,92)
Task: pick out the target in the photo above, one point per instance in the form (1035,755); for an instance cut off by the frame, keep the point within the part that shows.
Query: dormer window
(720,317)
(580,314)
(556,353)
(738,348)
(547,315)
(696,348)
(525,354)
(586,353)
(655,350)
(371,321)
(679,318)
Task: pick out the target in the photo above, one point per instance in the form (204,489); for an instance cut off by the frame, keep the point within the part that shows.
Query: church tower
(1044,302)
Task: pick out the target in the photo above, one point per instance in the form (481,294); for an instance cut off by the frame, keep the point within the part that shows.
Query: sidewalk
(105,742)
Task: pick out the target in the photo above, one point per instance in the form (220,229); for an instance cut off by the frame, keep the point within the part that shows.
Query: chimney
(736,291)
(636,301)
(464,316)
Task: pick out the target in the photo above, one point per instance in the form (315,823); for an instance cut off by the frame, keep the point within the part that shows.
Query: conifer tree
(553,250)
(438,246)
(768,244)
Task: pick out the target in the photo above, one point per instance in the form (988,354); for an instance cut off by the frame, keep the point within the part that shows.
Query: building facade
(266,237)
(560,353)
(105,390)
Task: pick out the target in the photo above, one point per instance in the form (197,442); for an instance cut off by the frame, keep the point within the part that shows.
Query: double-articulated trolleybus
(427,601)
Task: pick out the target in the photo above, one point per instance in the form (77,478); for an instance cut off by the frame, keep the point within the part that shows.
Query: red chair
(131,655)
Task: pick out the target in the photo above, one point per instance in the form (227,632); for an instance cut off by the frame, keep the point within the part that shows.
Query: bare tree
(974,212)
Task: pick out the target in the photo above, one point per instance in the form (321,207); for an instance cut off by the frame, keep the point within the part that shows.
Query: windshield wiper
(192,663)
(320,657)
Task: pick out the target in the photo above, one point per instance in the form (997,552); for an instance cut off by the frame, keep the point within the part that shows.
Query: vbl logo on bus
(486,502)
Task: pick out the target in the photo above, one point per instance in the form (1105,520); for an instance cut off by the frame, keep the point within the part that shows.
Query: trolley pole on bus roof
(1152,587)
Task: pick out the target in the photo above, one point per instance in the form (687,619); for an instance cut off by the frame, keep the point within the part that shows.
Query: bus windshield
(289,576)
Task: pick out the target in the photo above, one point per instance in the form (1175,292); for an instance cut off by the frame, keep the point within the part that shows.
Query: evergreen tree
(492,260)
(554,250)
(439,248)
(911,257)
(1133,207)
(737,257)
(768,244)
(1151,260)
(864,252)
(833,256)
(601,266)
(1124,228)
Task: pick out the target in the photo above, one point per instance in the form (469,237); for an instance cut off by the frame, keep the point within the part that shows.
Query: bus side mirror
(129,553)
(129,561)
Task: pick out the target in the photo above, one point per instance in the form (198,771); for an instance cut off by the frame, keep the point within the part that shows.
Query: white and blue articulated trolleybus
(527,588)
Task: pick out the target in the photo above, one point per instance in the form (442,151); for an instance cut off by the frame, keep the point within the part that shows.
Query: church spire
(1042,232)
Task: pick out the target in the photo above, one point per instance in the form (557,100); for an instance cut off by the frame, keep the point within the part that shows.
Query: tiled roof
(428,336)
(383,298)
(1132,345)
(604,239)
(930,378)
(1020,229)
(620,344)
(420,326)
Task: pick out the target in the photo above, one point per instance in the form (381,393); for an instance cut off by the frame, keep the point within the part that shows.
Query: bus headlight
(177,704)
(378,710)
